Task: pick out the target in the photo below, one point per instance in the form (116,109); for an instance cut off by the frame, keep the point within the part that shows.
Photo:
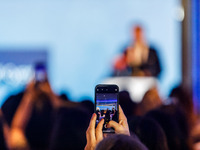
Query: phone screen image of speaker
(106,107)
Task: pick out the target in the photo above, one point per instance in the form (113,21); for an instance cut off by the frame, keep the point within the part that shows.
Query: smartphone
(40,72)
(107,104)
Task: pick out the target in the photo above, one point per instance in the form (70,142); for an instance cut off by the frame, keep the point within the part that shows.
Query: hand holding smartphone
(106,97)
(107,105)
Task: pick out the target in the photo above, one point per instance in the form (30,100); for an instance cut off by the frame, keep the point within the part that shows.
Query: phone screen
(40,72)
(106,105)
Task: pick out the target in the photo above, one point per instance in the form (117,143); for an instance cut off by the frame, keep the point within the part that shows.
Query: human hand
(17,140)
(30,87)
(45,87)
(94,136)
(122,126)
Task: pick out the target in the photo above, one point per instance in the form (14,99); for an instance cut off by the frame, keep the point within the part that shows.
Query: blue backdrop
(82,38)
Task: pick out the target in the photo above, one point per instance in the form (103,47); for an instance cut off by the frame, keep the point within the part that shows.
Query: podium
(136,86)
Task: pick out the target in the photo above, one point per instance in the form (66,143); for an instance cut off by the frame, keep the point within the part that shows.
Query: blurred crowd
(38,119)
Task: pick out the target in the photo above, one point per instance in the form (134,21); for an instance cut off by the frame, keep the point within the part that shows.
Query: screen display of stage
(106,108)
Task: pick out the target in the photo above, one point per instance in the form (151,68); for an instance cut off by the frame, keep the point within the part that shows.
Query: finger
(90,133)
(121,114)
(99,133)
(121,122)
(122,117)
(93,121)
(119,129)
(113,124)
(30,85)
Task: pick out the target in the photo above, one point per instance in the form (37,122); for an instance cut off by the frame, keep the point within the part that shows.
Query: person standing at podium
(139,59)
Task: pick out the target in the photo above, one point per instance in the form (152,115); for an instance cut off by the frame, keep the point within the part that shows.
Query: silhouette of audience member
(113,110)
(149,132)
(89,105)
(150,101)
(40,124)
(174,124)
(120,142)
(9,107)
(127,104)
(107,115)
(63,96)
(69,129)
(182,98)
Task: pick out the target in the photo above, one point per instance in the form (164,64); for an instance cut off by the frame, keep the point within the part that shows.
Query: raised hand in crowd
(94,136)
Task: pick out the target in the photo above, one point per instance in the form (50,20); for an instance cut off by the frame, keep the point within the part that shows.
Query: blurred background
(80,41)
(150,49)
